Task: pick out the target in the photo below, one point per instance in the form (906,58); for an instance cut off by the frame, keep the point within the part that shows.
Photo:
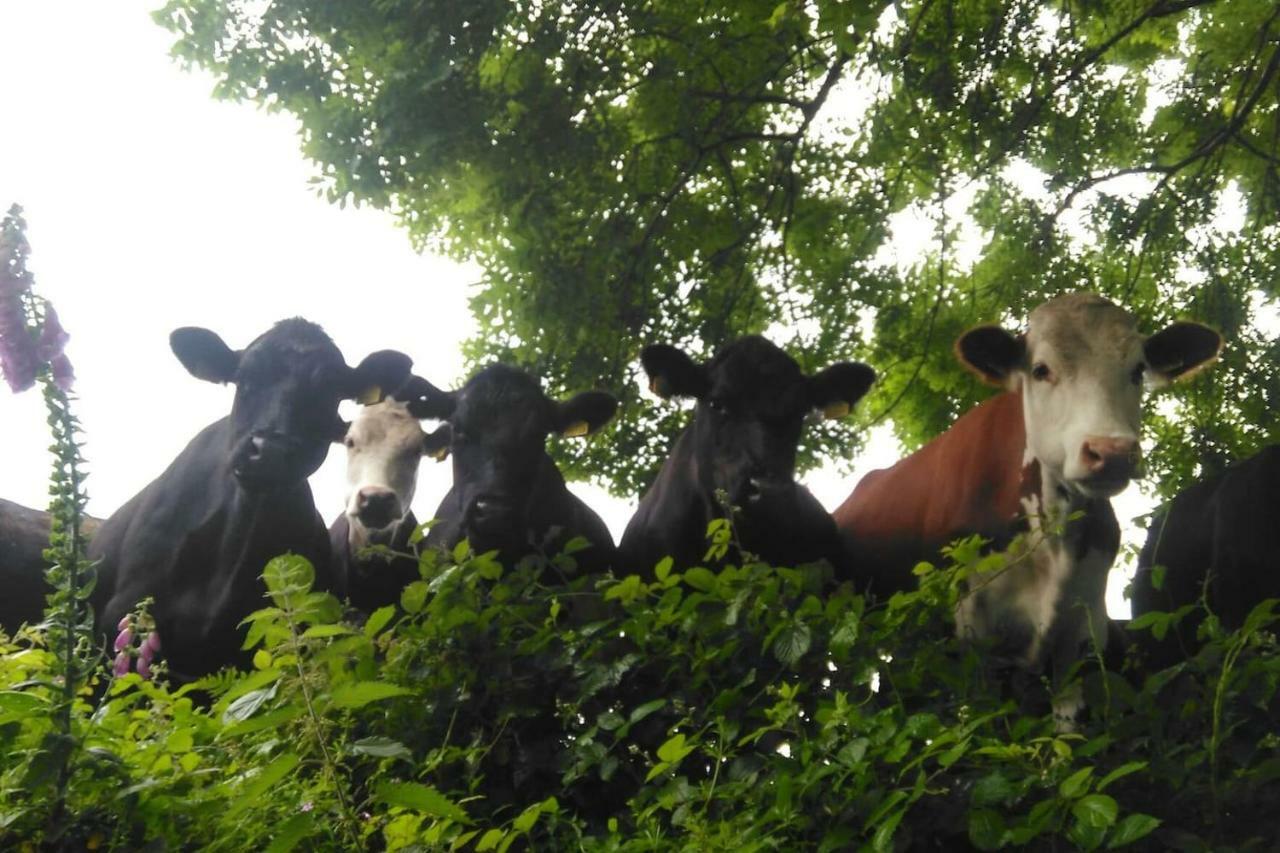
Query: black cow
(1224,529)
(197,538)
(384,444)
(24,534)
(752,399)
(507,494)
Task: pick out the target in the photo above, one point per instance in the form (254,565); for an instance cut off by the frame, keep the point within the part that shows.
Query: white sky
(152,206)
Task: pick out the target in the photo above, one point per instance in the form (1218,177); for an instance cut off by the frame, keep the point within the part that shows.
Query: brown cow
(1042,459)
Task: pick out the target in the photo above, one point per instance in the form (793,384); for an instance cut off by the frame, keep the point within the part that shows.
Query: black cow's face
(497,429)
(289,382)
(752,400)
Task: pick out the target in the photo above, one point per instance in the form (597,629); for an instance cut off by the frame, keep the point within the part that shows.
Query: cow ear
(585,413)
(672,373)
(375,376)
(992,353)
(204,354)
(425,400)
(1181,351)
(837,388)
(436,444)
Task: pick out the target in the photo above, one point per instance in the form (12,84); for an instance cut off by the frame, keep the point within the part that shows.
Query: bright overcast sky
(152,206)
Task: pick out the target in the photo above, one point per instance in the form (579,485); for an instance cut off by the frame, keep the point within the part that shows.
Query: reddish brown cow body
(1042,459)
(969,480)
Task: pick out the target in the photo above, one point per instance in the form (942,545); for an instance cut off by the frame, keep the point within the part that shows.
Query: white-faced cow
(1220,536)
(752,400)
(384,445)
(1043,459)
(24,535)
(507,493)
(196,538)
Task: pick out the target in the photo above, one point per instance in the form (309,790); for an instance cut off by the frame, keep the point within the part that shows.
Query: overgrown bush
(747,708)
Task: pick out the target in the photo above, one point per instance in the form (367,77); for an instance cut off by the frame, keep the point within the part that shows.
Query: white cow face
(384,446)
(1081,368)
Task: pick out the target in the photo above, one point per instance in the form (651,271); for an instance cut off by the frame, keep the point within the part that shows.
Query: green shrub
(745,708)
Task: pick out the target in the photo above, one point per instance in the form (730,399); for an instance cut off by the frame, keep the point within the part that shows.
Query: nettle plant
(531,706)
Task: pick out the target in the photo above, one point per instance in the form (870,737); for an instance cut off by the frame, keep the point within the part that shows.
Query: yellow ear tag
(660,386)
(835,410)
(370,395)
(576,429)
(440,454)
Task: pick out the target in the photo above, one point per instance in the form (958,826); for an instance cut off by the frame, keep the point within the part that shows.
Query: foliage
(749,707)
(861,179)
(31,351)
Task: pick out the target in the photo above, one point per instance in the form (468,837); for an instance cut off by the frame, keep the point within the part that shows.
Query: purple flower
(153,641)
(63,375)
(121,665)
(123,640)
(144,669)
(53,338)
(124,622)
(18,359)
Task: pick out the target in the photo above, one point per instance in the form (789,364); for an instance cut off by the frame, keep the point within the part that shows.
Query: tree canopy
(673,171)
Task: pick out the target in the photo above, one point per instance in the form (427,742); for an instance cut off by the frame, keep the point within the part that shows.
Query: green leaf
(663,568)
(701,579)
(489,840)
(323,631)
(289,833)
(882,840)
(357,694)
(1076,784)
(1097,810)
(792,642)
(1131,829)
(675,749)
(1119,773)
(986,829)
(382,747)
(251,792)
(379,619)
(414,596)
(420,798)
(527,818)
(244,707)
(993,789)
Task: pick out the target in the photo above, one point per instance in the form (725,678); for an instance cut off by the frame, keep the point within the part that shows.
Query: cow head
(1081,367)
(497,429)
(752,400)
(289,382)
(384,445)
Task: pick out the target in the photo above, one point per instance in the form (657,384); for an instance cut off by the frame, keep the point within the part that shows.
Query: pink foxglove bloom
(144,670)
(123,640)
(121,666)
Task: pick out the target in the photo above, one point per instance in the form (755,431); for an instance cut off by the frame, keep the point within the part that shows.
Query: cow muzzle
(377,507)
(1108,464)
(761,489)
(491,515)
(263,460)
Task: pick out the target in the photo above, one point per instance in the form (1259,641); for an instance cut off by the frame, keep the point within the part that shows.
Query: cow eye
(1041,371)
(1137,374)
(349,441)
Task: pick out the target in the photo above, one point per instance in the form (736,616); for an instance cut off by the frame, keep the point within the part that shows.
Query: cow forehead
(498,395)
(749,363)
(1082,329)
(290,343)
(388,422)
